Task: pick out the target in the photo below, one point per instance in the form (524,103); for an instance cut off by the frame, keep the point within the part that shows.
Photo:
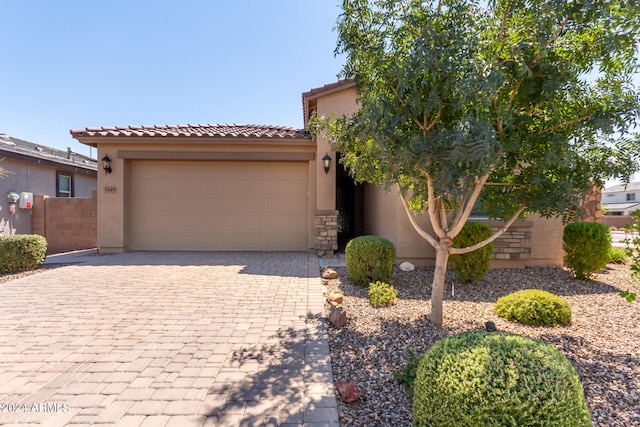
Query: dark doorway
(350,206)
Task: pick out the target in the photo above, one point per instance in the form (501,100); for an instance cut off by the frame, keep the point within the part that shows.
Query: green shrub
(407,375)
(534,307)
(632,250)
(21,252)
(369,259)
(497,379)
(381,294)
(586,246)
(617,256)
(474,265)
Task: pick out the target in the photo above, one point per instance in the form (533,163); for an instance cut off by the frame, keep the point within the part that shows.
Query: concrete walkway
(167,339)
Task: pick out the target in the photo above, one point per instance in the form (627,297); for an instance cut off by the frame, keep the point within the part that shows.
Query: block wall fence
(68,224)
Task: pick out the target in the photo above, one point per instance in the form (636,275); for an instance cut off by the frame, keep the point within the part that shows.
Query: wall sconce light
(106,164)
(326,161)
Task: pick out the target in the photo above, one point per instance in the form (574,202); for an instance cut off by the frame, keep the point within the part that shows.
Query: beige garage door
(215,205)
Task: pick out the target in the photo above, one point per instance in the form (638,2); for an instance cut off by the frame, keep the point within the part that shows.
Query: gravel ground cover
(602,342)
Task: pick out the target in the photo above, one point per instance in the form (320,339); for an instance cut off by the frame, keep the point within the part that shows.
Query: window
(631,197)
(64,185)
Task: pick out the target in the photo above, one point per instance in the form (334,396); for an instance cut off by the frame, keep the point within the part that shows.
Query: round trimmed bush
(534,307)
(381,294)
(497,379)
(22,252)
(369,259)
(586,246)
(474,265)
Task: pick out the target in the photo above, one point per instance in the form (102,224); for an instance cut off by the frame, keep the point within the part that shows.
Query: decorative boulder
(337,316)
(336,297)
(348,391)
(406,266)
(329,274)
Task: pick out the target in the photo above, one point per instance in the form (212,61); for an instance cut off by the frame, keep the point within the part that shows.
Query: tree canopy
(517,105)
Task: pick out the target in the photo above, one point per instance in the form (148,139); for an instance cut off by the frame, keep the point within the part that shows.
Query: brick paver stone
(167,338)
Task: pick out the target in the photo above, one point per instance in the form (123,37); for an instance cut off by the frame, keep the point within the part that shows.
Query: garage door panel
(208,205)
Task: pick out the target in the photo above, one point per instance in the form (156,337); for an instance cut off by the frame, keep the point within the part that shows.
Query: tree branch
(477,188)
(565,123)
(432,241)
(431,201)
(404,104)
(461,205)
(497,234)
(504,21)
(551,40)
(443,215)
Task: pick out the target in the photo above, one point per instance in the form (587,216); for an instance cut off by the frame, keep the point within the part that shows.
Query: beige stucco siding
(331,105)
(216,205)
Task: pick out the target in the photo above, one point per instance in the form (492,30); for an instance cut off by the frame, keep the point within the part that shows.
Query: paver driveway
(167,338)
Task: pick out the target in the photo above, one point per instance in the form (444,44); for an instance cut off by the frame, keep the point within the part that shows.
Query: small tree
(465,102)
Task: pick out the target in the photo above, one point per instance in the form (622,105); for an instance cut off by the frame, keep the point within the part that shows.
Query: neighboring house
(621,199)
(249,188)
(42,171)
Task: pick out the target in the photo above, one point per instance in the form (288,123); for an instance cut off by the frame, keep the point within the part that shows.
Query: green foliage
(382,294)
(21,252)
(632,249)
(474,265)
(491,102)
(617,255)
(369,259)
(534,307)
(407,375)
(497,379)
(586,246)
(452,90)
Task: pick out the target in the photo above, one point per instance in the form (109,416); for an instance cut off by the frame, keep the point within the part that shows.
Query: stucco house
(621,199)
(40,170)
(251,188)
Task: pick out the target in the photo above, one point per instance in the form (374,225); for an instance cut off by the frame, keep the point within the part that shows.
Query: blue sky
(74,64)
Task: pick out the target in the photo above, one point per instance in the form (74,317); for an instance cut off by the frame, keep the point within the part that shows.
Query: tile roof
(195,131)
(340,84)
(23,149)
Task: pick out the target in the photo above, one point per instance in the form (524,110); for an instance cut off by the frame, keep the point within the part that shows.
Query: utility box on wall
(26,201)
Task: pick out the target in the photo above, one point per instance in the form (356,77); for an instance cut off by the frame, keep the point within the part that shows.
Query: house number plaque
(110,189)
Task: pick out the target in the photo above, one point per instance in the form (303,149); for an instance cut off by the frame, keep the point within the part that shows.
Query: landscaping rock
(348,391)
(337,315)
(329,273)
(490,327)
(407,266)
(336,297)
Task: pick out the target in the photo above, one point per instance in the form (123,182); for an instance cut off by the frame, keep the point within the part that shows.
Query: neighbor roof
(618,206)
(22,149)
(195,131)
(632,186)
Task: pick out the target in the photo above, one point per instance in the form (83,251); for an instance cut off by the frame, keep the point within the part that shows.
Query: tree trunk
(437,289)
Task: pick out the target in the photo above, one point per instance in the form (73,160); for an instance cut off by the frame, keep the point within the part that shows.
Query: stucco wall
(38,179)
(380,213)
(332,104)
(114,192)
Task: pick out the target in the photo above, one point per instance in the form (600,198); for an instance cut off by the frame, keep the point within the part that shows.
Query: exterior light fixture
(326,161)
(106,164)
